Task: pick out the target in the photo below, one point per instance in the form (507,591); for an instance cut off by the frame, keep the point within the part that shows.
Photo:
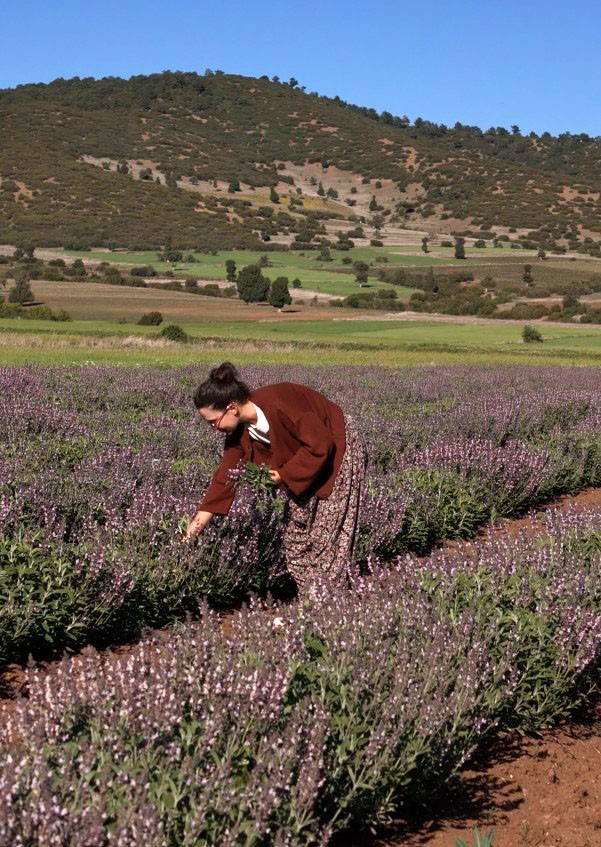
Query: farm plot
(357,702)
(333,715)
(100,469)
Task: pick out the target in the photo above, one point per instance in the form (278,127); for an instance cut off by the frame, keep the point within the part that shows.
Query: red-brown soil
(535,792)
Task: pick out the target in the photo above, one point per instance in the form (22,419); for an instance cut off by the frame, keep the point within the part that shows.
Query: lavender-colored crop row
(304,720)
(99,469)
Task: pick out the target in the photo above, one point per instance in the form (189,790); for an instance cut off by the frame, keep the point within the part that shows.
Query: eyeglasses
(215,424)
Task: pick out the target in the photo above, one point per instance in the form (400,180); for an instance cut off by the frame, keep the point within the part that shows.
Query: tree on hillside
(21,291)
(252,285)
(324,253)
(77,269)
(230,270)
(171,256)
(344,242)
(531,335)
(279,295)
(321,189)
(527,275)
(234,185)
(459,247)
(425,240)
(274,196)
(373,204)
(429,281)
(570,301)
(361,270)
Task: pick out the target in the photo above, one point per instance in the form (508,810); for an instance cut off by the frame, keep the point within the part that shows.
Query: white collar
(262,424)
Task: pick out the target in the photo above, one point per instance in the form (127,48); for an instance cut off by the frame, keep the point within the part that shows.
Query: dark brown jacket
(307,436)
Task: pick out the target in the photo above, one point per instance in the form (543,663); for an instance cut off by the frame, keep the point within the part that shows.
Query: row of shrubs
(307,721)
(37,313)
(94,530)
(303,720)
(57,270)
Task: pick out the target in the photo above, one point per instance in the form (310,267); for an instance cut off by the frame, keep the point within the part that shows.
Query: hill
(225,161)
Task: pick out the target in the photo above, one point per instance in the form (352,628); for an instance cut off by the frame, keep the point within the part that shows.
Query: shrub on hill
(383,299)
(531,335)
(143,271)
(524,312)
(151,319)
(173,332)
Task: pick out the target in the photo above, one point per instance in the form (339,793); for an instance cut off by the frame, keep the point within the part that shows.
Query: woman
(315,455)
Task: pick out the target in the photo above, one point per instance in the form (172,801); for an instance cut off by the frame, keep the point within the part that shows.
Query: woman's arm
(220,494)
(197,524)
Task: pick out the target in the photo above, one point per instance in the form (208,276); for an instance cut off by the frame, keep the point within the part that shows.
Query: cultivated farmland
(297,721)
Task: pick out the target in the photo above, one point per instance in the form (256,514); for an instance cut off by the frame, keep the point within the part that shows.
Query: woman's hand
(197,524)
(274,476)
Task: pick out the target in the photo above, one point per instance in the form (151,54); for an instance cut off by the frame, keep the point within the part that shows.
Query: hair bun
(224,373)
(222,387)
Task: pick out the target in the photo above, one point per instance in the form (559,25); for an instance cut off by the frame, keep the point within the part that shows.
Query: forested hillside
(230,161)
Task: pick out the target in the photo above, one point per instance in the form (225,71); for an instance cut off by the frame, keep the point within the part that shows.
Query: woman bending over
(314,453)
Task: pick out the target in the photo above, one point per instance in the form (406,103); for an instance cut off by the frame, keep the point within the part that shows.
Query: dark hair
(223,387)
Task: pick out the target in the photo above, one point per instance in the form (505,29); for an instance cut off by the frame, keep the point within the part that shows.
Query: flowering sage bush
(101,468)
(273,734)
(300,721)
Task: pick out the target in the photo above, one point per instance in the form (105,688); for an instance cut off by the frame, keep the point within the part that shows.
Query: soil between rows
(534,792)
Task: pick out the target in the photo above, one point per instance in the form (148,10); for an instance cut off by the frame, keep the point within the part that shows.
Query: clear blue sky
(533,63)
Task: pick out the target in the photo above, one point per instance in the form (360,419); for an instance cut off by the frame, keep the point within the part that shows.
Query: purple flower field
(306,718)
(310,718)
(100,469)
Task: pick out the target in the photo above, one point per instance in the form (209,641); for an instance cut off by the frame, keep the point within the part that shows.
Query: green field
(396,255)
(337,279)
(325,277)
(105,327)
(305,341)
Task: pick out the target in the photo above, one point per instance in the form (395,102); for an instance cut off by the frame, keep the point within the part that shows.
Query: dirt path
(540,792)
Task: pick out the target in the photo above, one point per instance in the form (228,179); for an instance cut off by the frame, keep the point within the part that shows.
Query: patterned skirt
(320,534)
